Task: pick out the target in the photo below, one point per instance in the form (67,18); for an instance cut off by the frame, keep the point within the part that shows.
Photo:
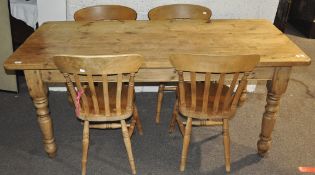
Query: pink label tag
(77,102)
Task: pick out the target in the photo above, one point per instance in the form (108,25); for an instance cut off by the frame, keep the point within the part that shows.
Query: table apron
(158,75)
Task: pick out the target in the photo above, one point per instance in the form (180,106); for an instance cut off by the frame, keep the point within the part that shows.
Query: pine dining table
(156,41)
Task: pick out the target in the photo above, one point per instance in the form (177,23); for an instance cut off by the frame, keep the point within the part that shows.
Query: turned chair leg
(128,146)
(243,96)
(186,144)
(132,127)
(174,116)
(176,119)
(159,103)
(138,122)
(181,126)
(135,121)
(226,141)
(85,146)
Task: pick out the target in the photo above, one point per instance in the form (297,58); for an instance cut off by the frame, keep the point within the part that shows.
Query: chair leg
(243,96)
(174,116)
(186,144)
(128,146)
(85,146)
(132,126)
(226,141)
(138,122)
(159,103)
(175,119)
(181,126)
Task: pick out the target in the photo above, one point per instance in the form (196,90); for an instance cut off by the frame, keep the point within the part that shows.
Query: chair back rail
(217,97)
(180,11)
(95,98)
(105,12)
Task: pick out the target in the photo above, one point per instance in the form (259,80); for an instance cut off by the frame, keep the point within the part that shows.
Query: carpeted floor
(157,152)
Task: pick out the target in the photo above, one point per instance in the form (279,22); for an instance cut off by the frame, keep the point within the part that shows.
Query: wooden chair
(180,11)
(108,104)
(105,12)
(209,90)
(176,12)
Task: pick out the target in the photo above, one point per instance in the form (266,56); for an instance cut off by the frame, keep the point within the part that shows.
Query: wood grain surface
(156,41)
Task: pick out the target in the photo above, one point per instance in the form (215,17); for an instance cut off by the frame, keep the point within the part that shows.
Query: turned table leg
(38,92)
(276,87)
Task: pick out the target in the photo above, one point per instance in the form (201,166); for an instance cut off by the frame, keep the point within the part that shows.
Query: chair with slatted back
(176,12)
(109,103)
(105,12)
(209,90)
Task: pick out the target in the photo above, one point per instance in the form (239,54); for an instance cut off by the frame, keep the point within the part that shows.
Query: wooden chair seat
(210,114)
(112,88)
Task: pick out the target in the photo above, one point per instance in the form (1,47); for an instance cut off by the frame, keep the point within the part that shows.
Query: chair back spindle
(181,89)
(106,96)
(193,91)
(78,87)
(206,90)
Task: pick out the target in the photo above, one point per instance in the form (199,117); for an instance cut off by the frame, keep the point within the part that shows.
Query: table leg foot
(53,154)
(45,125)
(263,145)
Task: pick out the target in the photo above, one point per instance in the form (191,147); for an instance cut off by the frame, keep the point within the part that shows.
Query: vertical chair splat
(105,95)
(70,87)
(80,88)
(93,93)
(193,91)
(182,99)
(206,93)
(228,95)
(118,94)
(239,91)
(130,91)
(217,97)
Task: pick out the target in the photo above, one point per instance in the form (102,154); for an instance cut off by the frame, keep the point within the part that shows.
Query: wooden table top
(156,40)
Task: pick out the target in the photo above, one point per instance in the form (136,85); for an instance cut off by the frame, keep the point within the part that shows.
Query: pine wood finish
(176,12)
(104,101)
(167,37)
(105,12)
(276,87)
(180,11)
(209,102)
(156,41)
(38,91)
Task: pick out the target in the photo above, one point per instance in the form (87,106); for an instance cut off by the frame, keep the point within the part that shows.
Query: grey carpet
(157,152)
